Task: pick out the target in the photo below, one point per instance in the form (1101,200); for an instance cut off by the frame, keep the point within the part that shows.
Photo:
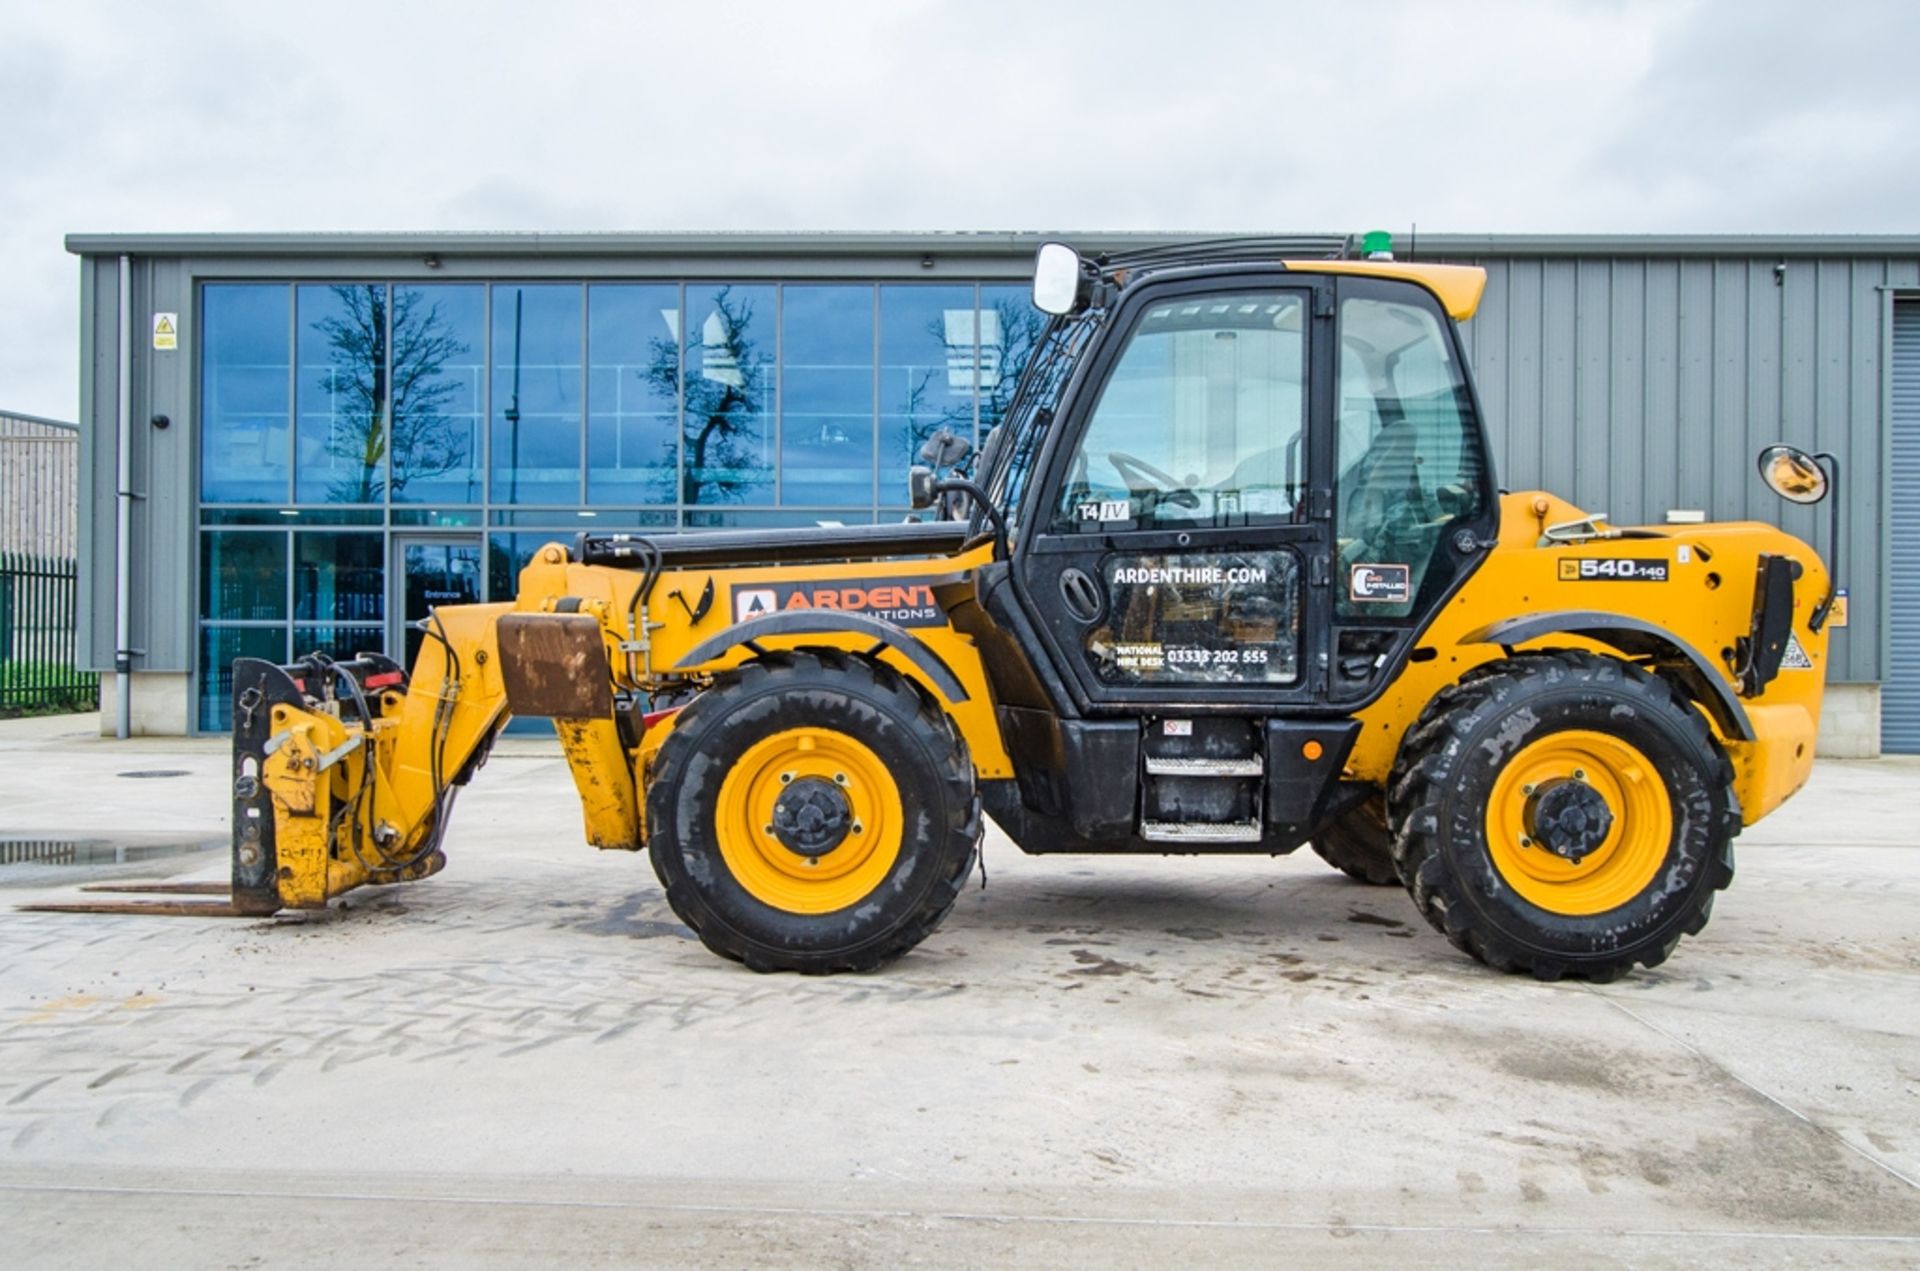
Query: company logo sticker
(1381,584)
(757,603)
(905,603)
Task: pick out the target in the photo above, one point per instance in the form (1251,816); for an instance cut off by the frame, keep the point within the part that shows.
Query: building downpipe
(123,546)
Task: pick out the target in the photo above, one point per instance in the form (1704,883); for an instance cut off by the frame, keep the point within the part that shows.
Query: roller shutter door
(1900,696)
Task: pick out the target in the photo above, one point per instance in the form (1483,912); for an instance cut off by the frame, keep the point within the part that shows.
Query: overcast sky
(1600,115)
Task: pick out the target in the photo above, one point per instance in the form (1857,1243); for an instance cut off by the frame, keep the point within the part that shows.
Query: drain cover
(155,772)
(99,851)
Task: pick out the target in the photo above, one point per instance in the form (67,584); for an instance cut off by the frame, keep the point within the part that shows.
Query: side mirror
(1793,474)
(920,491)
(1058,274)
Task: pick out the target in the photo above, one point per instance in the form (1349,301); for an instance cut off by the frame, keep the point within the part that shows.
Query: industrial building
(305,439)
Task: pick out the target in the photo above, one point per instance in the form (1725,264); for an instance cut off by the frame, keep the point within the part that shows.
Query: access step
(1200,831)
(1157,767)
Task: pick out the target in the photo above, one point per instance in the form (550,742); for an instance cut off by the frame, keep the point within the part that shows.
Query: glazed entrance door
(429,572)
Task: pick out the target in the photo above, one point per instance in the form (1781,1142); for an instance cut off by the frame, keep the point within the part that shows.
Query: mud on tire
(883,712)
(1448,769)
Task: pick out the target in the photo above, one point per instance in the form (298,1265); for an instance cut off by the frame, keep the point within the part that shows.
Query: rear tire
(855,763)
(1360,844)
(1464,801)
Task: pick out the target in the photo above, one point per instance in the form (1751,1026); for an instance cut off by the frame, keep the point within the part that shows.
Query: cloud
(930,114)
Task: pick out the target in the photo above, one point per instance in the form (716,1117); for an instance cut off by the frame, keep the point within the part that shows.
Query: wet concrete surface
(1094,1063)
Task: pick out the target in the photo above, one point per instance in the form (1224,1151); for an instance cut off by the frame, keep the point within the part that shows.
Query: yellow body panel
(1458,287)
(603,774)
(673,633)
(1706,603)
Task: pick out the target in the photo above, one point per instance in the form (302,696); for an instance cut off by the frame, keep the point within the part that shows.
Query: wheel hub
(811,817)
(1569,818)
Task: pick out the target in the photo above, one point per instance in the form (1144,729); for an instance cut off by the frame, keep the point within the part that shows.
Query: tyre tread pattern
(800,671)
(1360,845)
(1426,769)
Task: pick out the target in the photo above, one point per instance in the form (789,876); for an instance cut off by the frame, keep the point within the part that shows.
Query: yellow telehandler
(1233,576)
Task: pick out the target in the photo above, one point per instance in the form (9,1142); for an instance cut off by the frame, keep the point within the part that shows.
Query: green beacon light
(1377,244)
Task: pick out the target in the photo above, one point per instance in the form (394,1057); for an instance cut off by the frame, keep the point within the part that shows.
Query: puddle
(97,852)
(151,773)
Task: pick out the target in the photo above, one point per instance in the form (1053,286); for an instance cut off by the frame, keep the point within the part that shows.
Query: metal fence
(39,585)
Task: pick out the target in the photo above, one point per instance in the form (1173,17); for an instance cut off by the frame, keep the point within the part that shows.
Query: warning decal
(166,330)
(1795,657)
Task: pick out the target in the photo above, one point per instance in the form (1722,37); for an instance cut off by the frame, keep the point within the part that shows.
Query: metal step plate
(1204,767)
(1200,831)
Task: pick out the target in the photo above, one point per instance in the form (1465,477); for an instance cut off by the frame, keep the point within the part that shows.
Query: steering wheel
(1165,486)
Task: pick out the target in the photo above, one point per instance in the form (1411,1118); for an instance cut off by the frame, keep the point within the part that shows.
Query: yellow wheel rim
(776,874)
(1630,854)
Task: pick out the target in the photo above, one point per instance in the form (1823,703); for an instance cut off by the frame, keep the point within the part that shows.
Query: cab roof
(1457,287)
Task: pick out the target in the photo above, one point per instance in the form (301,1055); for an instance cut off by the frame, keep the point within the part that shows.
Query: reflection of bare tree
(1021,326)
(1009,330)
(426,442)
(725,382)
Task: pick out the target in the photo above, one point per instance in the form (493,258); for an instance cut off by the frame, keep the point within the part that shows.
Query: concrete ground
(1094,1063)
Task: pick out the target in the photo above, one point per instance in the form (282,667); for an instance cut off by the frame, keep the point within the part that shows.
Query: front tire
(1564,813)
(812,812)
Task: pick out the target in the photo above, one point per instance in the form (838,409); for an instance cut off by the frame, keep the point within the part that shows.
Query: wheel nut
(786,778)
(1526,789)
(769,828)
(1525,841)
(859,828)
(1579,774)
(839,778)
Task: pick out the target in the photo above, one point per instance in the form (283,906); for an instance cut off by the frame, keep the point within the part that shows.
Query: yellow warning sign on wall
(166,330)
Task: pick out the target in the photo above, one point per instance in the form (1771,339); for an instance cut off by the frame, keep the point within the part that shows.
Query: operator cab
(1236,482)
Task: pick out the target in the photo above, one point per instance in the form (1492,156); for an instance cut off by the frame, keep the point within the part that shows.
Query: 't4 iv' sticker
(1795,658)
(1103,510)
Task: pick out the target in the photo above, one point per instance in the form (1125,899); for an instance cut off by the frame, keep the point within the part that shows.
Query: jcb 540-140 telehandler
(1232,576)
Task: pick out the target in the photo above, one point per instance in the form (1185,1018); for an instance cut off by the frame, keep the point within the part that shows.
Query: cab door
(1177,550)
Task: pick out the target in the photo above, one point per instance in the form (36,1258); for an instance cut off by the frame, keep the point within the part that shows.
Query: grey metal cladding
(1900,695)
(99,456)
(1637,385)
(168,464)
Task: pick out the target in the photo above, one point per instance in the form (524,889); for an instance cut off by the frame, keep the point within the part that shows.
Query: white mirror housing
(1057,277)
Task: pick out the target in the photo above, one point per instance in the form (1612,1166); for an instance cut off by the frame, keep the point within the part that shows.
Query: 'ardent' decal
(905,603)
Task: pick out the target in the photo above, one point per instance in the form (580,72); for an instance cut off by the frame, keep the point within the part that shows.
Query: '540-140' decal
(1612,569)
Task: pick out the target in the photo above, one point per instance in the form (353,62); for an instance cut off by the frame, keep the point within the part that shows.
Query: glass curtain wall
(334,415)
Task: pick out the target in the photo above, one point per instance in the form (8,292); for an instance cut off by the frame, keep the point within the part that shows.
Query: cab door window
(1409,463)
(1200,422)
